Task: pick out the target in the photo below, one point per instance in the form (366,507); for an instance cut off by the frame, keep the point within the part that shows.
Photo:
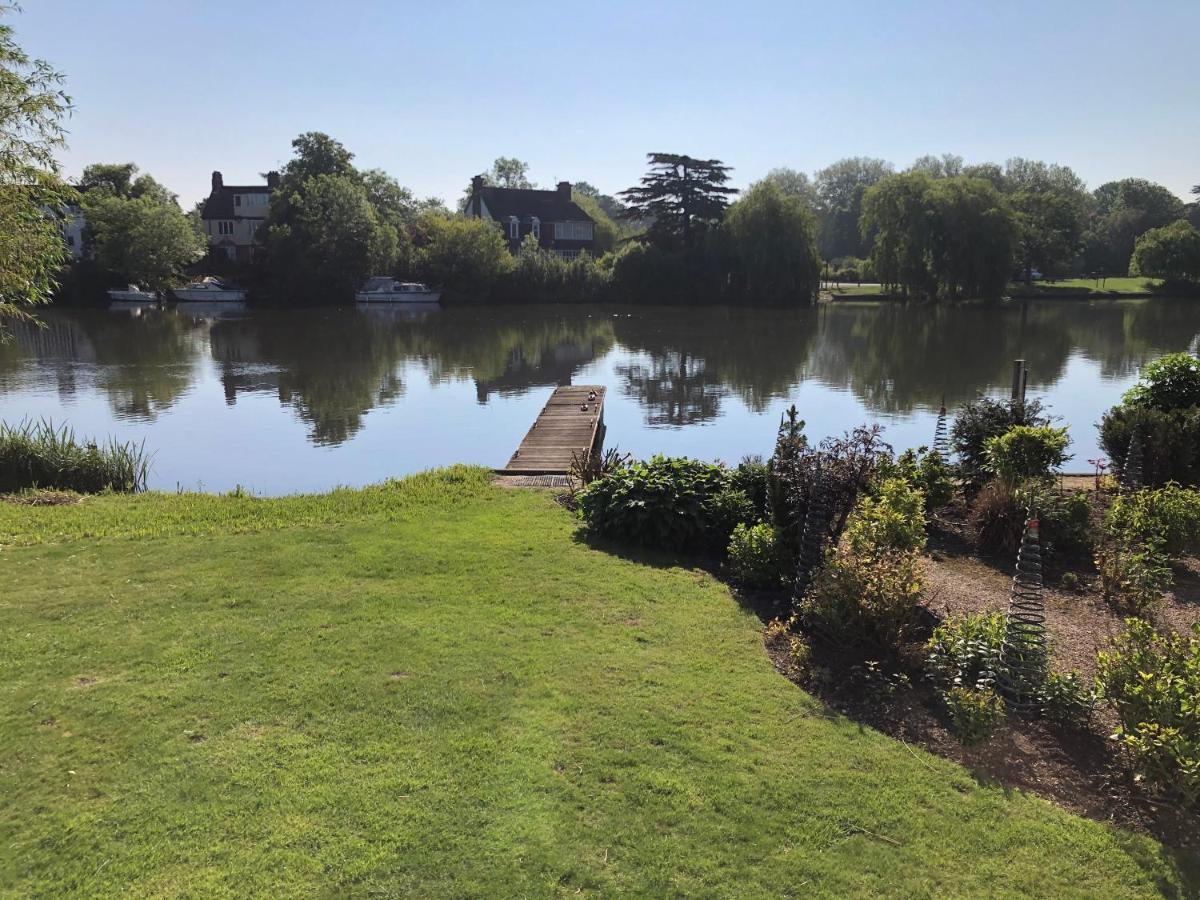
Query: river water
(304,400)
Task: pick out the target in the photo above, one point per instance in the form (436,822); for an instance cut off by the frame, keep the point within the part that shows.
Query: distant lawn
(433,689)
(1087,286)
(856,290)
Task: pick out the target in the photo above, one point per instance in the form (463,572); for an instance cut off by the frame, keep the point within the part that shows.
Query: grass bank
(1087,288)
(433,688)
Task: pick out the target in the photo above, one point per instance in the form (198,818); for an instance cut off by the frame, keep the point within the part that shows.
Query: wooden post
(1018,379)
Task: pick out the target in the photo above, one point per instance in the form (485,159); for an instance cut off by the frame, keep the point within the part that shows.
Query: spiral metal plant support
(941,445)
(812,539)
(1023,653)
(1132,475)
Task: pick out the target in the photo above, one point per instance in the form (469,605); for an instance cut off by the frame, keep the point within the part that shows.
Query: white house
(232,215)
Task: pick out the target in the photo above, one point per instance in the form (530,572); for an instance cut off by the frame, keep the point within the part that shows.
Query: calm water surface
(280,402)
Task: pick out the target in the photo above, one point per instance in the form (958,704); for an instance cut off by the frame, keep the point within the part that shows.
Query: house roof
(548,206)
(219,204)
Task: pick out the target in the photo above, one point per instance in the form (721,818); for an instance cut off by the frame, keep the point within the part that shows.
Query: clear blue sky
(433,91)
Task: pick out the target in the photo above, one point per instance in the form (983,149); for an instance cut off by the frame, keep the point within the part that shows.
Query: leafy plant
(667,503)
(1064,697)
(43,455)
(1168,383)
(1133,575)
(1026,452)
(586,467)
(1169,515)
(753,555)
(1170,442)
(751,478)
(982,420)
(924,469)
(965,652)
(1152,679)
(996,519)
(974,712)
(893,519)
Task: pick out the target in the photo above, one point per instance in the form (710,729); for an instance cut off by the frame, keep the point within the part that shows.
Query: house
(232,215)
(550,216)
(72,225)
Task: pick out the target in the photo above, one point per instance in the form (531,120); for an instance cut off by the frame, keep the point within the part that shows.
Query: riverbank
(432,687)
(1066,289)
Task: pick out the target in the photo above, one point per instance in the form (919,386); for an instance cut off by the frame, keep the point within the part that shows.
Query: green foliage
(605,232)
(1065,517)
(1170,442)
(771,240)
(983,419)
(1134,575)
(753,555)
(927,471)
(974,712)
(32,106)
(1050,204)
(466,257)
(1171,382)
(1168,516)
(996,519)
(840,188)
(1125,210)
(1171,252)
(1065,697)
(998,512)
(1152,678)
(325,239)
(665,503)
(314,154)
(751,477)
(683,196)
(540,276)
(1026,453)
(965,652)
(43,456)
(946,237)
(144,239)
(893,519)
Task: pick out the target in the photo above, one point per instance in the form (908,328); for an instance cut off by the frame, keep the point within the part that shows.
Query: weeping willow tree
(32,195)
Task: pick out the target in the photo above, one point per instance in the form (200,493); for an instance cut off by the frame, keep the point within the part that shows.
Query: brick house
(559,225)
(232,215)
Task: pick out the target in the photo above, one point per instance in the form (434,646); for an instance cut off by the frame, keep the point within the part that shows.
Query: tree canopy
(1171,252)
(682,195)
(772,243)
(316,153)
(1124,210)
(32,105)
(465,256)
(840,188)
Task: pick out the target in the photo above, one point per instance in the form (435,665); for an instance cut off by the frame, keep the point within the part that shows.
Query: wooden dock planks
(563,428)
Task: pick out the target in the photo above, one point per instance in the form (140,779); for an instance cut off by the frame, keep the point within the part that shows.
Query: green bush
(43,455)
(983,419)
(1169,515)
(894,519)
(1134,575)
(866,597)
(1170,442)
(965,652)
(665,503)
(924,469)
(1026,453)
(996,519)
(1168,383)
(750,477)
(753,555)
(1064,697)
(974,712)
(1153,680)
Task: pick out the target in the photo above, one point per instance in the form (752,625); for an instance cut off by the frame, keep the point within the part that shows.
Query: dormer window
(237,199)
(537,228)
(514,228)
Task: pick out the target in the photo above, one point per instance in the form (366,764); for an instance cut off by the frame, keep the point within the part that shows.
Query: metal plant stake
(1131,472)
(941,445)
(1023,653)
(816,518)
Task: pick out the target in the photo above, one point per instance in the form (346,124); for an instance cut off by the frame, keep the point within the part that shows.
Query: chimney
(476,205)
(218,182)
(477,183)
(272,179)
(564,190)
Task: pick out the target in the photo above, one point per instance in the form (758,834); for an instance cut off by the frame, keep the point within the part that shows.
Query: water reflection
(331,368)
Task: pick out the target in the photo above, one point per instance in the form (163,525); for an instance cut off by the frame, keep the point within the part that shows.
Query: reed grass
(43,455)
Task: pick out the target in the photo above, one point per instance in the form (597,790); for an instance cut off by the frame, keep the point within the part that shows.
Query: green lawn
(1086,287)
(433,689)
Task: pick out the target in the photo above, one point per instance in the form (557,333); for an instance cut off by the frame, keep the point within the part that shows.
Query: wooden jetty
(571,422)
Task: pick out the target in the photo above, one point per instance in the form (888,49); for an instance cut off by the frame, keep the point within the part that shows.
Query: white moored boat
(132,294)
(389,290)
(209,290)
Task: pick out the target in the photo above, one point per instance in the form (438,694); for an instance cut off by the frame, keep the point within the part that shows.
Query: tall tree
(682,195)
(841,187)
(793,184)
(510,172)
(1051,204)
(772,243)
(1125,210)
(32,105)
(948,165)
(144,240)
(1171,252)
(316,153)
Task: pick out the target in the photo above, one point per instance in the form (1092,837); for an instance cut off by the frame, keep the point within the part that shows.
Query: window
(572,231)
(224,227)
(237,199)
(537,228)
(514,228)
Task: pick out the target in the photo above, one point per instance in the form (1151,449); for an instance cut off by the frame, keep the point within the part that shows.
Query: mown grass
(433,689)
(1086,287)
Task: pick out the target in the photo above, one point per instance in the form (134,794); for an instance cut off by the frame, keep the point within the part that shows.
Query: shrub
(965,652)
(996,519)
(1133,575)
(753,555)
(866,597)
(926,470)
(974,712)
(666,503)
(986,418)
(43,455)
(1170,442)
(750,477)
(1153,680)
(1169,515)
(894,519)
(1026,453)
(1064,697)
(1168,383)
(1065,518)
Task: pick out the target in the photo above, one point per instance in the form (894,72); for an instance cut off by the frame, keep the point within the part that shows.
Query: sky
(432,92)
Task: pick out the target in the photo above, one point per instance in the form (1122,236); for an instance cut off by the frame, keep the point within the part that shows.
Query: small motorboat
(132,294)
(210,290)
(389,290)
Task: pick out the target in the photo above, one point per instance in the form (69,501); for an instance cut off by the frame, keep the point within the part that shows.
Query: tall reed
(43,455)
